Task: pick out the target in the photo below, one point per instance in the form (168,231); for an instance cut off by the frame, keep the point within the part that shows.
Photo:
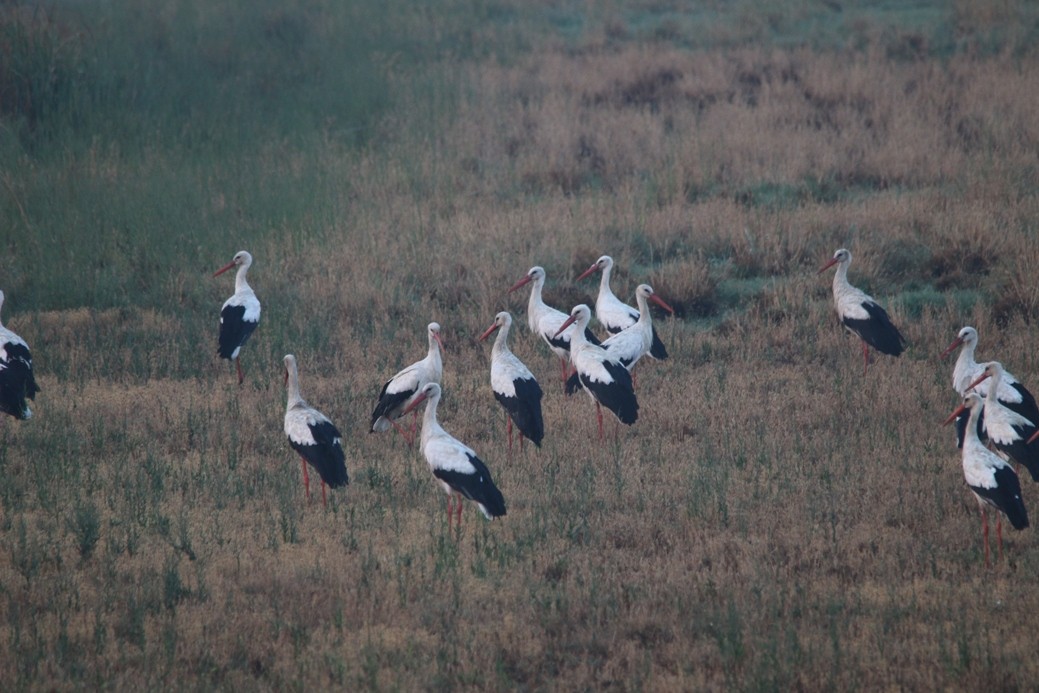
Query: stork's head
(842,256)
(646,292)
(971,401)
(580,315)
(241,259)
(968,336)
(502,319)
(534,274)
(603,264)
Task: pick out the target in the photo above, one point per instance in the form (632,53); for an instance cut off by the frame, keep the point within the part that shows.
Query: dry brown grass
(773,521)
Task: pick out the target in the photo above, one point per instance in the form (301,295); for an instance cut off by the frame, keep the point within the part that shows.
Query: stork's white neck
(501,341)
(604,281)
(240,282)
(292,385)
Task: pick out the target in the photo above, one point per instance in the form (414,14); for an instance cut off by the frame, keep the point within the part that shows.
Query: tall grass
(774,520)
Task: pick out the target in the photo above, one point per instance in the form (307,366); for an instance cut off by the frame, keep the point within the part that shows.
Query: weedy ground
(774,520)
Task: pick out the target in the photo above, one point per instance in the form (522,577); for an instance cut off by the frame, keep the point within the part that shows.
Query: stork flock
(997,420)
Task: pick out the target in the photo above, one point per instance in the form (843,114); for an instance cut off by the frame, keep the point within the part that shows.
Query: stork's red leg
(999,533)
(562,365)
(984,534)
(458,512)
(238,365)
(403,433)
(306,477)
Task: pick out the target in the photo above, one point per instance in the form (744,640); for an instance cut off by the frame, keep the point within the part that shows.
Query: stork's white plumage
(614,314)
(399,391)
(1005,428)
(240,314)
(17,382)
(544,320)
(514,385)
(311,434)
(601,374)
(860,314)
(632,343)
(988,475)
(454,464)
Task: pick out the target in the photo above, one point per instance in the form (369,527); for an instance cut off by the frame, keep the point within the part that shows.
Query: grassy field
(774,520)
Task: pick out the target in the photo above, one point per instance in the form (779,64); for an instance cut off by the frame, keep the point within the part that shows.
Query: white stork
(514,385)
(632,343)
(16,379)
(544,320)
(240,314)
(399,391)
(454,464)
(313,436)
(1012,394)
(616,315)
(988,475)
(601,374)
(860,314)
(1008,430)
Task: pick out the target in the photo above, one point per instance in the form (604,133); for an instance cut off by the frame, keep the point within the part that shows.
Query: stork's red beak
(224,269)
(959,410)
(828,265)
(979,379)
(660,302)
(436,336)
(521,283)
(417,401)
(568,323)
(487,332)
(1034,436)
(590,270)
(958,341)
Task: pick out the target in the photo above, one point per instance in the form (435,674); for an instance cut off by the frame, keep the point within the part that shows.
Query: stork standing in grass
(460,472)
(860,314)
(1006,429)
(16,379)
(514,385)
(601,374)
(1012,394)
(240,314)
(399,391)
(616,315)
(544,321)
(993,481)
(633,342)
(313,436)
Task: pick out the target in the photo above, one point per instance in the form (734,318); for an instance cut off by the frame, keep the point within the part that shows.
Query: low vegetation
(774,520)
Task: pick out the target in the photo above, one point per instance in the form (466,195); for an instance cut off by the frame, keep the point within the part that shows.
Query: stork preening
(514,385)
(860,314)
(616,315)
(988,475)
(313,436)
(1012,394)
(240,314)
(635,341)
(401,389)
(544,320)
(601,374)
(454,464)
(17,383)
(1009,431)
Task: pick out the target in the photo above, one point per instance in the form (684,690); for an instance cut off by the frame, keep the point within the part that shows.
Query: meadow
(775,520)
